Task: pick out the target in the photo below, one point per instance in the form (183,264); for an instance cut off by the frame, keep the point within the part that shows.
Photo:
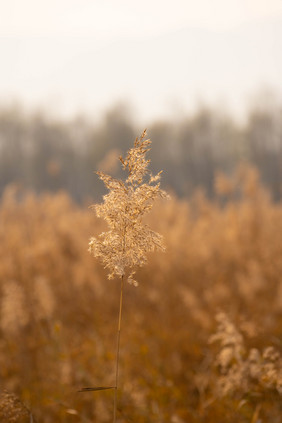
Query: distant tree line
(44,154)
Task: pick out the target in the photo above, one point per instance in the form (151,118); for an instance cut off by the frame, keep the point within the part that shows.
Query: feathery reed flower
(243,371)
(128,240)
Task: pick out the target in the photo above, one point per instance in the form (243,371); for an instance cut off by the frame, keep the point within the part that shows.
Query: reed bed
(58,311)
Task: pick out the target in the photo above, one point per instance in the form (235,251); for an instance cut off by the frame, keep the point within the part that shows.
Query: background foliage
(44,153)
(58,314)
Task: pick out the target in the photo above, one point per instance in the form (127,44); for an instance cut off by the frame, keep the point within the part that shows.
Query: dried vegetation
(58,312)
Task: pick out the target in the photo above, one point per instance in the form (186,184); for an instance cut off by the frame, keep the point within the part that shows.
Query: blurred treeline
(45,154)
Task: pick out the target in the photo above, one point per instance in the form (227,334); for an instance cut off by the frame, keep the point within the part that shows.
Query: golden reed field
(201,337)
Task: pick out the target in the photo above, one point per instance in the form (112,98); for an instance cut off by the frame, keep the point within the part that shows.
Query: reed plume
(251,375)
(126,244)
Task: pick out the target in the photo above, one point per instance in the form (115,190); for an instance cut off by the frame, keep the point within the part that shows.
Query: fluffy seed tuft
(127,242)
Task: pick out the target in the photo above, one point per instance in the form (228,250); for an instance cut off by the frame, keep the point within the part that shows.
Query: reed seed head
(126,244)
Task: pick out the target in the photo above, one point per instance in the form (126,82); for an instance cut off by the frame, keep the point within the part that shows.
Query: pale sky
(106,19)
(33,68)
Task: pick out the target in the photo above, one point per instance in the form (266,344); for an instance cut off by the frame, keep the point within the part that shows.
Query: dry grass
(128,241)
(12,410)
(58,313)
(251,376)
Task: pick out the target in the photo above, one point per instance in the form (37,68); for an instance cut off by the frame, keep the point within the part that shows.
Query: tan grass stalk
(128,240)
(118,347)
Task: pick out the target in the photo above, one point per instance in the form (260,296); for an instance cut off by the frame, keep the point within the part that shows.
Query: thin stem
(118,344)
(256,413)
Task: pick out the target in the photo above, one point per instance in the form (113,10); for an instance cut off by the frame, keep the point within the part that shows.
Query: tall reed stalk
(126,244)
(118,348)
